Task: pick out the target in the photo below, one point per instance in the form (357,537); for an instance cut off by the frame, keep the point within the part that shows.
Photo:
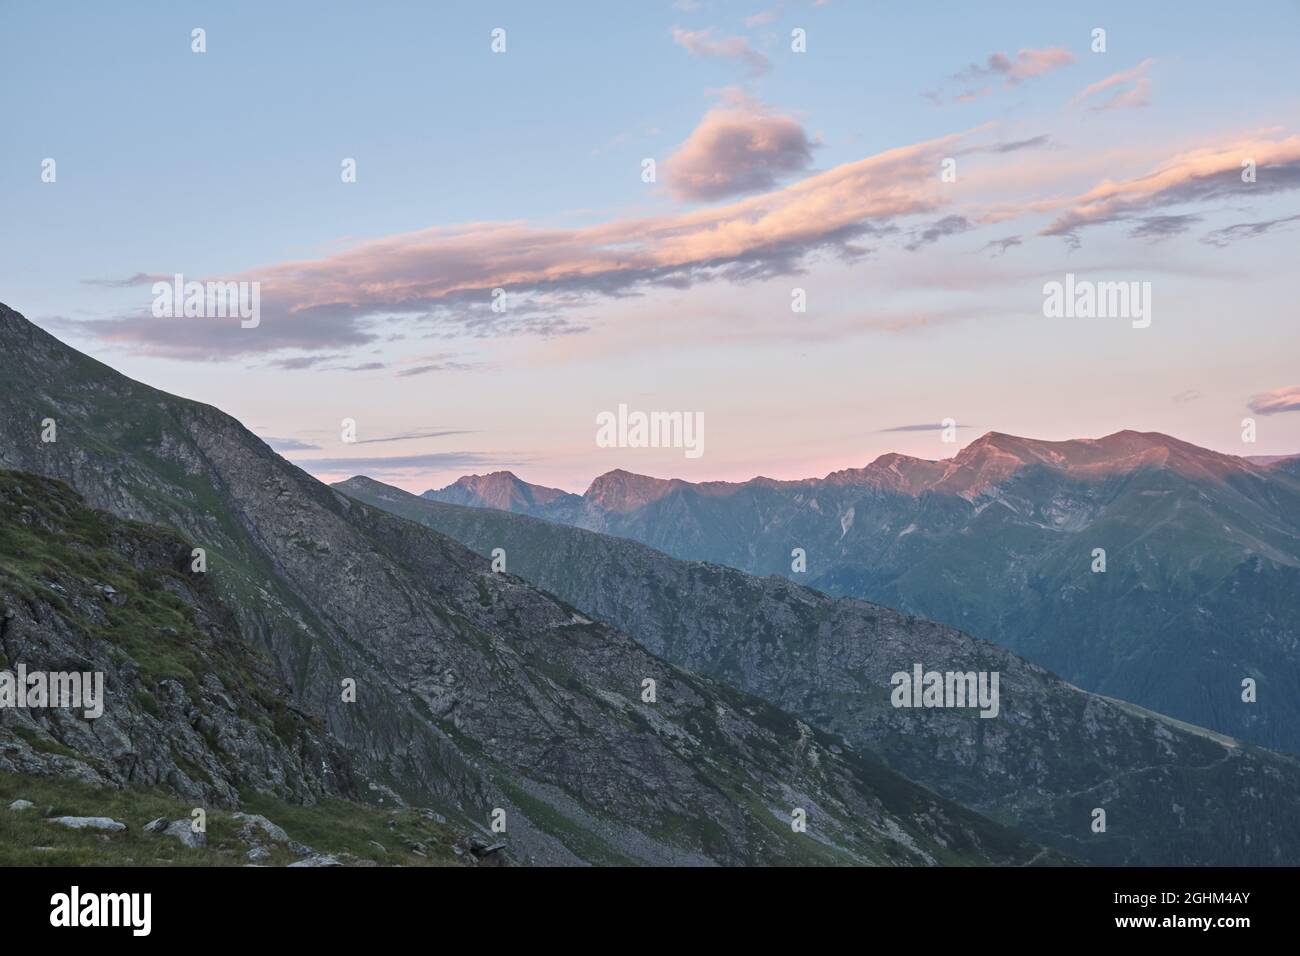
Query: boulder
(90,823)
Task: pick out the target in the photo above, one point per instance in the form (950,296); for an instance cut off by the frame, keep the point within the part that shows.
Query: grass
(332,826)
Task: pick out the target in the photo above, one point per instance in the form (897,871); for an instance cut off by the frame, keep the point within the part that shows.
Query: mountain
(1174,794)
(502,490)
(1201,587)
(185,703)
(450,684)
(188,716)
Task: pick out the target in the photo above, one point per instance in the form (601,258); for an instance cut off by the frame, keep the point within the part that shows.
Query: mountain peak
(623,491)
(502,490)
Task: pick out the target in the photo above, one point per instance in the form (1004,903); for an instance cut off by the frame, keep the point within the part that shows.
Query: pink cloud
(702,43)
(738,148)
(438,282)
(1208,173)
(1278,400)
(1027,64)
(447,274)
(1135,89)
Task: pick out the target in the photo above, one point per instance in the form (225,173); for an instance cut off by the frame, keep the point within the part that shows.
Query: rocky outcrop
(184,702)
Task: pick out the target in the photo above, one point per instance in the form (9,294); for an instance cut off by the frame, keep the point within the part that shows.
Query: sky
(916,176)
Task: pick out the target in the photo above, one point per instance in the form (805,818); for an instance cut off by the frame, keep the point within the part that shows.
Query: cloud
(399,465)
(1032,143)
(140,278)
(1278,400)
(1012,71)
(947,226)
(701,43)
(409,436)
(438,282)
(289,444)
(1244,230)
(1209,173)
(442,278)
(1134,89)
(924,427)
(1186,395)
(436,367)
(1027,63)
(1000,246)
(1155,228)
(741,147)
(298,363)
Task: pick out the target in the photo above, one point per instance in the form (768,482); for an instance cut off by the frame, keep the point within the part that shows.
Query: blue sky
(227,163)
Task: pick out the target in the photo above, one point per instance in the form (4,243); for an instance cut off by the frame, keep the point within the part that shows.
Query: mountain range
(1174,793)
(448,685)
(611,703)
(1134,565)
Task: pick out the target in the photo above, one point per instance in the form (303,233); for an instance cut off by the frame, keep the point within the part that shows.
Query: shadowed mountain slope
(1173,793)
(1200,588)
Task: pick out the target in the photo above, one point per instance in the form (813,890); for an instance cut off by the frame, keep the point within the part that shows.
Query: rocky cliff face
(185,704)
(472,688)
(1174,794)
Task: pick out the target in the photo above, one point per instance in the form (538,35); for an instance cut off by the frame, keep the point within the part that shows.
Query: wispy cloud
(1210,173)
(1033,142)
(298,363)
(140,278)
(409,436)
(1132,88)
(998,247)
(1278,400)
(289,444)
(438,282)
(1156,228)
(702,43)
(923,427)
(443,277)
(403,465)
(1245,230)
(947,226)
(1011,71)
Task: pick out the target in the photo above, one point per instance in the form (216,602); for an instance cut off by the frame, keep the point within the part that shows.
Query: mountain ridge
(453,684)
(1053,754)
(1136,565)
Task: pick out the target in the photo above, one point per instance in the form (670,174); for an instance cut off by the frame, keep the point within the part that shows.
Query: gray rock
(156,826)
(90,823)
(319,859)
(21,805)
(257,853)
(257,825)
(183,831)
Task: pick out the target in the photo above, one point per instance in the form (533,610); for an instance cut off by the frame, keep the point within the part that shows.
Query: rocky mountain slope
(1174,794)
(1201,587)
(188,716)
(185,703)
(471,688)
